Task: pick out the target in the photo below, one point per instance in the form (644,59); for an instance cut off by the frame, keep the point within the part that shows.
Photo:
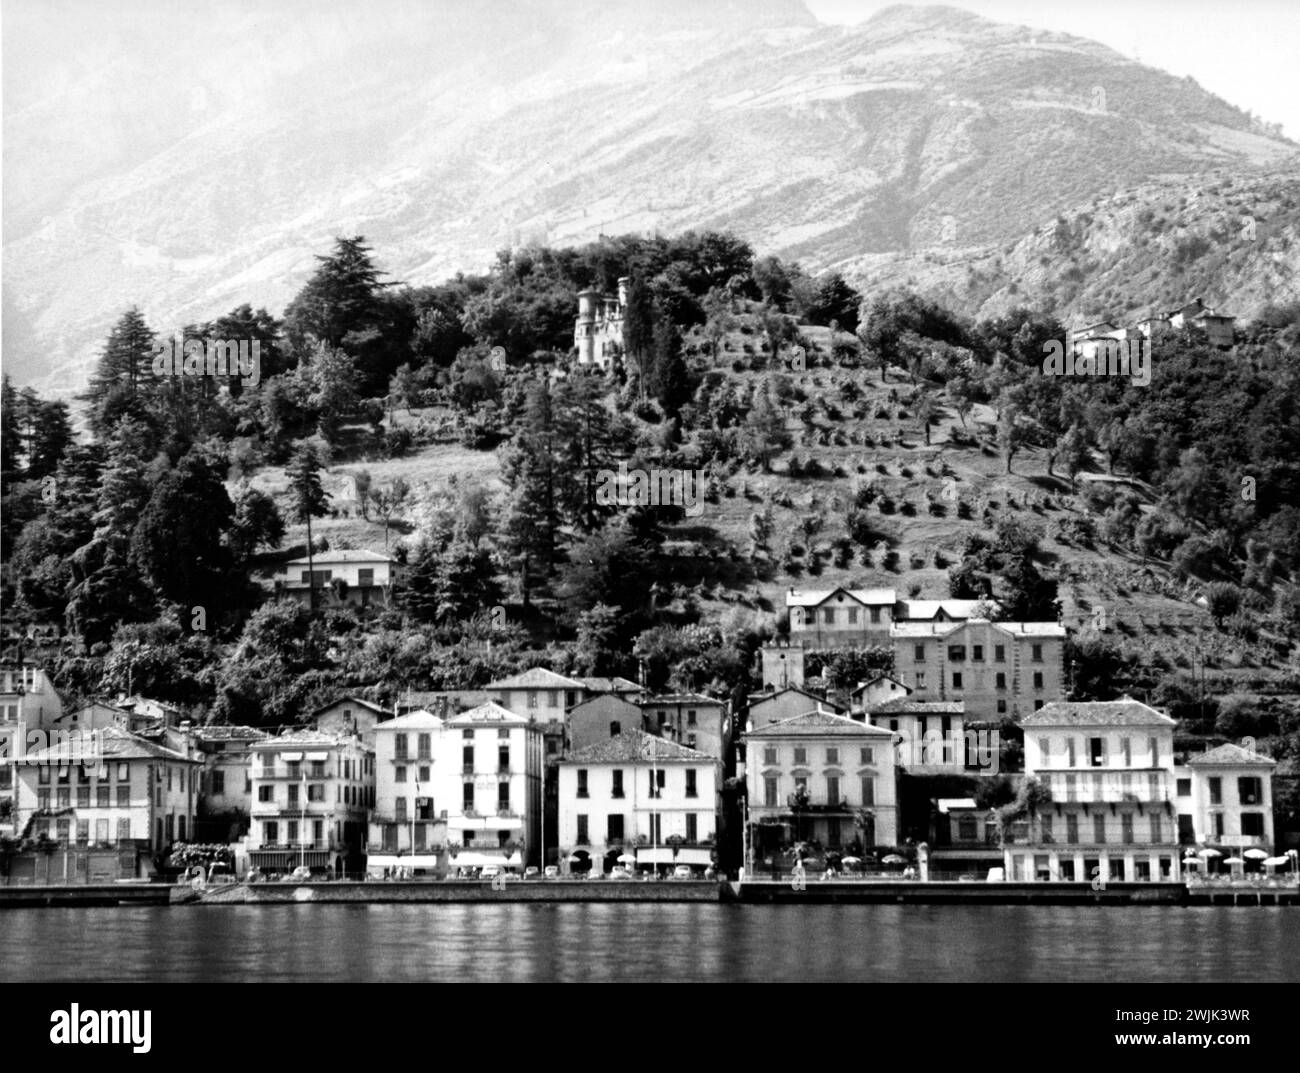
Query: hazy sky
(1245,51)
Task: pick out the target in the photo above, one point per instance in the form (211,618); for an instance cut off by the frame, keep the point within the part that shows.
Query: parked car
(552,871)
(490,871)
(619,872)
(531,872)
(301,874)
(682,871)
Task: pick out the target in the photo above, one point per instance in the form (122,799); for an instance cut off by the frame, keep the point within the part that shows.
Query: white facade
(639,795)
(1225,798)
(367,576)
(1109,766)
(414,790)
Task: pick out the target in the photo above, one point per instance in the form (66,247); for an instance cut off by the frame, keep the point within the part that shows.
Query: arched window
(615,728)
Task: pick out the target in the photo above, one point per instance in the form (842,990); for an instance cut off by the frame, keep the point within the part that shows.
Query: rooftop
(491,712)
(343,555)
(537,678)
(943,629)
(814,597)
(1230,755)
(905,706)
(114,744)
(634,747)
(819,724)
(415,720)
(1100,713)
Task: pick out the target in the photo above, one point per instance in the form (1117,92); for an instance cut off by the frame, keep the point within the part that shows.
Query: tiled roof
(491,712)
(114,744)
(219,732)
(679,698)
(536,678)
(756,699)
(1108,713)
(379,709)
(635,747)
(880,678)
(303,737)
(343,555)
(609,685)
(906,706)
(416,720)
(943,629)
(1231,756)
(457,699)
(818,724)
(605,701)
(920,610)
(814,597)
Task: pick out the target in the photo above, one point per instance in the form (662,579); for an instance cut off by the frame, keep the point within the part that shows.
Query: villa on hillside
(598,330)
(345,575)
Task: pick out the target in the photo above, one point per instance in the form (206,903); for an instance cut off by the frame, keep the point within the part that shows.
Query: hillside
(922,127)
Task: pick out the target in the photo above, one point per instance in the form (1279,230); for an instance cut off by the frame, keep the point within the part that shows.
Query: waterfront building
(930,736)
(693,719)
(1225,800)
(225,787)
(1109,768)
(117,799)
(820,778)
(599,718)
(413,793)
(642,796)
(773,707)
(495,814)
(350,715)
(311,792)
(997,668)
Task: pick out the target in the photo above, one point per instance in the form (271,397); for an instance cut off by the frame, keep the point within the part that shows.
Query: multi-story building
(639,795)
(350,715)
(773,707)
(1109,767)
(225,785)
(845,618)
(819,777)
(1225,799)
(495,815)
(109,790)
(930,737)
(695,720)
(27,697)
(598,329)
(602,717)
(311,792)
(414,790)
(341,576)
(997,668)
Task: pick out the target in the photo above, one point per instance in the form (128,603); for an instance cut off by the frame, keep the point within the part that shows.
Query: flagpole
(654,796)
(302,835)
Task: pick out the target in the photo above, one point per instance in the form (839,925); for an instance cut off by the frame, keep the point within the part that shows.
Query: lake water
(669,942)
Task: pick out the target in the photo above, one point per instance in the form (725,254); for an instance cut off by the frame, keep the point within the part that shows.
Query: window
(532,698)
(832,756)
(399,746)
(614,828)
(999,653)
(583,837)
(1126,828)
(800,755)
(690,717)
(582,782)
(1072,829)
(365,576)
(218,782)
(101,796)
(1099,829)
(123,830)
(268,764)
(657,778)
(1044,748)
(271,832)
(1038,679)
(570,698)
(956,679)
(64,797)
(690,783)
(1096,751)
(123,796)
(1000,680)
(318,770)
(1157,832)
(956,653)
(291,834)
(316,792)
(467,758)
(295,769)
(829,618)
(1126,747)
(503,796)
(1218,825)
(552,747)
(399,775)
(468,735)
(1036,653)
(977,654)
(1045,825)
(918,653)
(1250,791)
(1252,824)
(293,795)
(424,743)
(867,754)
(616,790)
(832,790)
(875,614)
(920,679)
(1216,791)
(503,758)
(423,775)
(967,830)
(893,725)
(692,827)
(853,616)
(83,797)
(399,811)
(83,831)
(467,797)
(868,790)
(769,792)
(615,728)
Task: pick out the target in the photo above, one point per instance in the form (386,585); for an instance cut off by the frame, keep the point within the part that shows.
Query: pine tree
(11,442)
(671,382)
(309,500)
(531,527)
(341,297)
(639,320)
(125,367)
(51,438)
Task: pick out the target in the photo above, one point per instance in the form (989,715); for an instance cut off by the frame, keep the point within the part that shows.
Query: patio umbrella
(893,858)
(1274,862)
(850,860)
(1255,854)
(1189,854)
(1210,853)
(573,858)
(626,858)
(1233,860)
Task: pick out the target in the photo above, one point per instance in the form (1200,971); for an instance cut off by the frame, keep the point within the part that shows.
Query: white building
(311,792)
(494,812)
(823,778)
(1225,799)
(1109,766)
(136,796)
(415,785)
(639,795)
(343,576)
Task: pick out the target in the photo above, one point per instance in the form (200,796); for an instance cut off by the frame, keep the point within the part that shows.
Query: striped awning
(479,860)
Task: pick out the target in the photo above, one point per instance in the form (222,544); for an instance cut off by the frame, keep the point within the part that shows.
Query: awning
(378,861)
(317,756)
(662,855)
(479,860)
(290,757)
(694,856)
